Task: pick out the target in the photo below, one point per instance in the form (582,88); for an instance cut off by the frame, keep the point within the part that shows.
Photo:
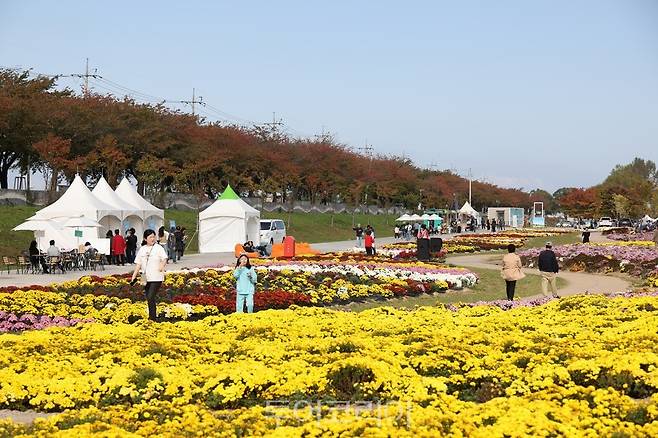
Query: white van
(272,231)
(605,222)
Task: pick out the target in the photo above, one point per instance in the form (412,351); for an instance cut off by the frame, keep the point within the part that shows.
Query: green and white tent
(229,220)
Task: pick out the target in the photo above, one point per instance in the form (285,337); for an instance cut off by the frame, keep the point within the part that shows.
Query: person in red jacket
(119,248)
(369,242)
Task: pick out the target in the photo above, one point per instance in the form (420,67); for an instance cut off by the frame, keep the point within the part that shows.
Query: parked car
(272,231)
(625,222)
(605,222)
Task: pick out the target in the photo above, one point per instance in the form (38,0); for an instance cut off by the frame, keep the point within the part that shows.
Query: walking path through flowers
(577,282)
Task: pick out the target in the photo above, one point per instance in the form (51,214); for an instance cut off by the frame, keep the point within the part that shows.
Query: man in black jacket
(549,268)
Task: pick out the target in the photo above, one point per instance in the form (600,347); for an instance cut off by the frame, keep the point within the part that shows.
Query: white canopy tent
(75,202)
(415,218)
(128,217)
(647,219)
(467,210)
(145,215)
(404,218)
(229,220)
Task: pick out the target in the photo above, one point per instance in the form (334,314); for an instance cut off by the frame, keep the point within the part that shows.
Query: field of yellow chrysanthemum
(584,365)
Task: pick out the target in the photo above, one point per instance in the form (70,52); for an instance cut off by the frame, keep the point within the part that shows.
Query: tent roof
(77,200)
(127,193)
(229,205)
(467,209)
(104,192)
(229,193)
(404,217)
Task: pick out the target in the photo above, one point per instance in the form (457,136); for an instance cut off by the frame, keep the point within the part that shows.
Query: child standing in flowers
(246,278)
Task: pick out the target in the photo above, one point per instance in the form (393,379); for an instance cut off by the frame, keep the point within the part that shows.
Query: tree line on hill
(61,133)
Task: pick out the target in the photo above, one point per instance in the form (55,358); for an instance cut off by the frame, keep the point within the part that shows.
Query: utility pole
(86,76)
(193,101)
(323,136)
(274,123)
(470,183)
(368,152)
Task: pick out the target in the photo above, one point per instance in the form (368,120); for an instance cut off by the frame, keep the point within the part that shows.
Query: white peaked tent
(148,215)
(78,201)
(404,218)
(468,210)
(229,220)
(129,216)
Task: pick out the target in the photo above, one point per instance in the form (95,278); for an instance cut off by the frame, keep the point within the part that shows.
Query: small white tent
(229,220)
(150,216)
(128,214)
(467,210)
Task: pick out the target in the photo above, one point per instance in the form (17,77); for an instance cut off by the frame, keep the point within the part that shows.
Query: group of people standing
(365,237)
(492,225)
(173,241)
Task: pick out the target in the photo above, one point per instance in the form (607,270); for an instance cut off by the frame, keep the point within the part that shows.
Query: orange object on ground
(301,248)
(239,249)
(289,246)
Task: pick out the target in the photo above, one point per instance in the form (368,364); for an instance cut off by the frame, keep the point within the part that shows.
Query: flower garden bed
(635,258)
(578,365)
(313,280)
(629,235)
(471,242)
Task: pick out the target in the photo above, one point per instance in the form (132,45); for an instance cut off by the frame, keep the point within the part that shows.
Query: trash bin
(289,246)
(423,249)
(436,243)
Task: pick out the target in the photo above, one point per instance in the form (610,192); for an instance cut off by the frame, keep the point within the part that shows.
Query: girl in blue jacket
(245,286)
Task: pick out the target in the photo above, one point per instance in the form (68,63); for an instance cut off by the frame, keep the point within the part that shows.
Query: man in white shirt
(53,251)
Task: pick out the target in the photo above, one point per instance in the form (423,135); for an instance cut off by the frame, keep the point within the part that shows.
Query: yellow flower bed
(100,308)
(574,365)
(640,243)
(599,414)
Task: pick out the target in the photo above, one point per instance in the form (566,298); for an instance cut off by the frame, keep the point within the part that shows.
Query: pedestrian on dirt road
(358,231)
(511,270)
(548,267)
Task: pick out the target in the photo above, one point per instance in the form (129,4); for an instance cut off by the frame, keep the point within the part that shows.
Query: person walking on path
(511,270)
(151,259)
(178,234)
(586,234)
(358,231)
(246,278)
(493,225)
(171,245)
(548,267)
(119,248)
(131,246)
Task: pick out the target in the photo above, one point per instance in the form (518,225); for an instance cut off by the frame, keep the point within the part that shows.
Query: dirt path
(577,282)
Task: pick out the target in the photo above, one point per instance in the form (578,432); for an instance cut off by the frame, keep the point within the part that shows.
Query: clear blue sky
(526,93)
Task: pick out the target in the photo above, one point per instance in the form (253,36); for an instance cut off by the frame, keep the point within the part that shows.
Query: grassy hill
(311,227)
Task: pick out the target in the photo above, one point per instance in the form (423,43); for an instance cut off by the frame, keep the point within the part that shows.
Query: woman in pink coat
(511,271)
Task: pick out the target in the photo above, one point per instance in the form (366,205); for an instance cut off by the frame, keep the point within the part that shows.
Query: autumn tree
(54,154)
(582,203)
